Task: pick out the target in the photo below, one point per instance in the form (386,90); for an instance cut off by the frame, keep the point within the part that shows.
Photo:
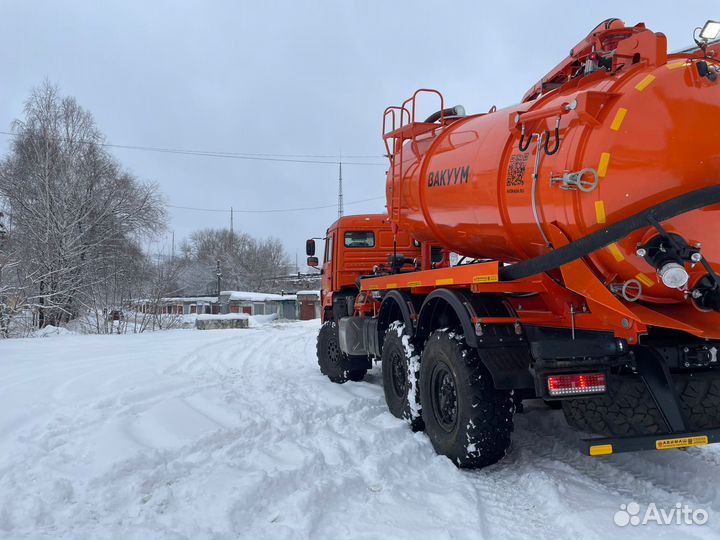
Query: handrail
(401,117)
(396,124)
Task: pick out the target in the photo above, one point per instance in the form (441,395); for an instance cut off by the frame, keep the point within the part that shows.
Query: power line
(273,211)
(282,158)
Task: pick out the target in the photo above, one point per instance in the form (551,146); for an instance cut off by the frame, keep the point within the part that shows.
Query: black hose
(604,237)
(524,145)
(549,152)
(457,110)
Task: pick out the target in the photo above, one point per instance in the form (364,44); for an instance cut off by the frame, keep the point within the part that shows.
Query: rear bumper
(614,445)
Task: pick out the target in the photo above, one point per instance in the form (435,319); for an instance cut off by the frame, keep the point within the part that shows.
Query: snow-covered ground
(234,433)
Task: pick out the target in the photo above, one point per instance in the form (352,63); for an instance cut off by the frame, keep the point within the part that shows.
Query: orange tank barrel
(615,150)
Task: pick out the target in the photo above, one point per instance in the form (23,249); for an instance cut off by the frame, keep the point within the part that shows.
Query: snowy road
(234,433)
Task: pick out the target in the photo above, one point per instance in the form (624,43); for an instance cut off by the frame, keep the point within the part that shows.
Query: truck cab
(356,246)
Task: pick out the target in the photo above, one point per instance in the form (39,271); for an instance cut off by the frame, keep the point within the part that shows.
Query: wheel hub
(399,377)
(333,351)
(444,397)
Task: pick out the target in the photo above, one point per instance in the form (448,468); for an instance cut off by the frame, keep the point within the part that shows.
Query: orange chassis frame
(584,302)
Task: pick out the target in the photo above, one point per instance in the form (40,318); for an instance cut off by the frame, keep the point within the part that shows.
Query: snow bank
(254,320)
(223,317)
(262,320)
(51,331)
(229,434)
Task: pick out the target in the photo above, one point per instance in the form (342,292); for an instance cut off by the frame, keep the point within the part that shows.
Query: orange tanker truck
(584,219)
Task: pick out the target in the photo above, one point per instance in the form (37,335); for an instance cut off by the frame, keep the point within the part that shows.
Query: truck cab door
(328,276)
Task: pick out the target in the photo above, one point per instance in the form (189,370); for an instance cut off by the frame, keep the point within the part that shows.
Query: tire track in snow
(293,455)
(644,473)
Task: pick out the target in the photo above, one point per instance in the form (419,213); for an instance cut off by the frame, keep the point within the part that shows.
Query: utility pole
(340,194)
(232,234)
(218,273)
(173,244)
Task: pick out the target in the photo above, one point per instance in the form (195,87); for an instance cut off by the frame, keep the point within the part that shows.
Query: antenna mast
(340,194)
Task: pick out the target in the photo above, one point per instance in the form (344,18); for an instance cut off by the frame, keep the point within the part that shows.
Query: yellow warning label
(415,284)
(681,442)
(446,281)
(492,278)
(392,285)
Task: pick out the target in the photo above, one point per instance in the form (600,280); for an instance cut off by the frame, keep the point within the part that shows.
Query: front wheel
(466,418)
(332,361)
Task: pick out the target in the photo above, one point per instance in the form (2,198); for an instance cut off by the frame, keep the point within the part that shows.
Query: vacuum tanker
(583,219)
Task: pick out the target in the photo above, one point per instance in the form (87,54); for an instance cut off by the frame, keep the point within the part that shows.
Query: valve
(577,181)
(668,253)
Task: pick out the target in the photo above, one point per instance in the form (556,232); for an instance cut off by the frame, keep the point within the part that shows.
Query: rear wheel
(401,375)
(466,418)
(331,359)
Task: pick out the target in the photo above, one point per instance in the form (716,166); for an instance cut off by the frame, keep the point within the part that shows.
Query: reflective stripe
(603,165)
(619,117)
(642,85)
(600,211)
(619,257)
(601,450)
(645,280)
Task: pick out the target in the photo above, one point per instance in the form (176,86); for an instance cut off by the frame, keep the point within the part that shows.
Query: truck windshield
(362,239)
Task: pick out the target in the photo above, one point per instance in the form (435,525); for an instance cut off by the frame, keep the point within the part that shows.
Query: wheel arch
(397,306)
(459,308)
(447,307)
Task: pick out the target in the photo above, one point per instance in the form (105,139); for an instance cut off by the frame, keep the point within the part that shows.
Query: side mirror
(312,261)
(310,248)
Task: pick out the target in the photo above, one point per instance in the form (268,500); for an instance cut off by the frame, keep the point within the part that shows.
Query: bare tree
(146,308)
(77,216)
(245,263)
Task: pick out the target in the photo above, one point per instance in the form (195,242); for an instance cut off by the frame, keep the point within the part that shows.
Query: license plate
(681,442)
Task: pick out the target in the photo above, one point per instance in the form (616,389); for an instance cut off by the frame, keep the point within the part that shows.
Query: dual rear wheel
(449,393)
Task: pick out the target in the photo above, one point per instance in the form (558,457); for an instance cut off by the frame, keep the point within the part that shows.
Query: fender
(401,301)
(436,302)
(508,362)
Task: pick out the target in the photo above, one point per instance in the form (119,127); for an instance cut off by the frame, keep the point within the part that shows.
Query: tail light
(579,384)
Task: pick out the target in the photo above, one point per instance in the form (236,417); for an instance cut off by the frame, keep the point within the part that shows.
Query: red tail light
(572,385)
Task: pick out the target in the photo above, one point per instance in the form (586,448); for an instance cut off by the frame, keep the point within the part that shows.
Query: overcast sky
(301,78)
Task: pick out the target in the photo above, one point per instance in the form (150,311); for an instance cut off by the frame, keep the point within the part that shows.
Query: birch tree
(77,215)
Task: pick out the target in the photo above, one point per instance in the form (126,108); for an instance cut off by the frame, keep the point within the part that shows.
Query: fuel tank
(617,128)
